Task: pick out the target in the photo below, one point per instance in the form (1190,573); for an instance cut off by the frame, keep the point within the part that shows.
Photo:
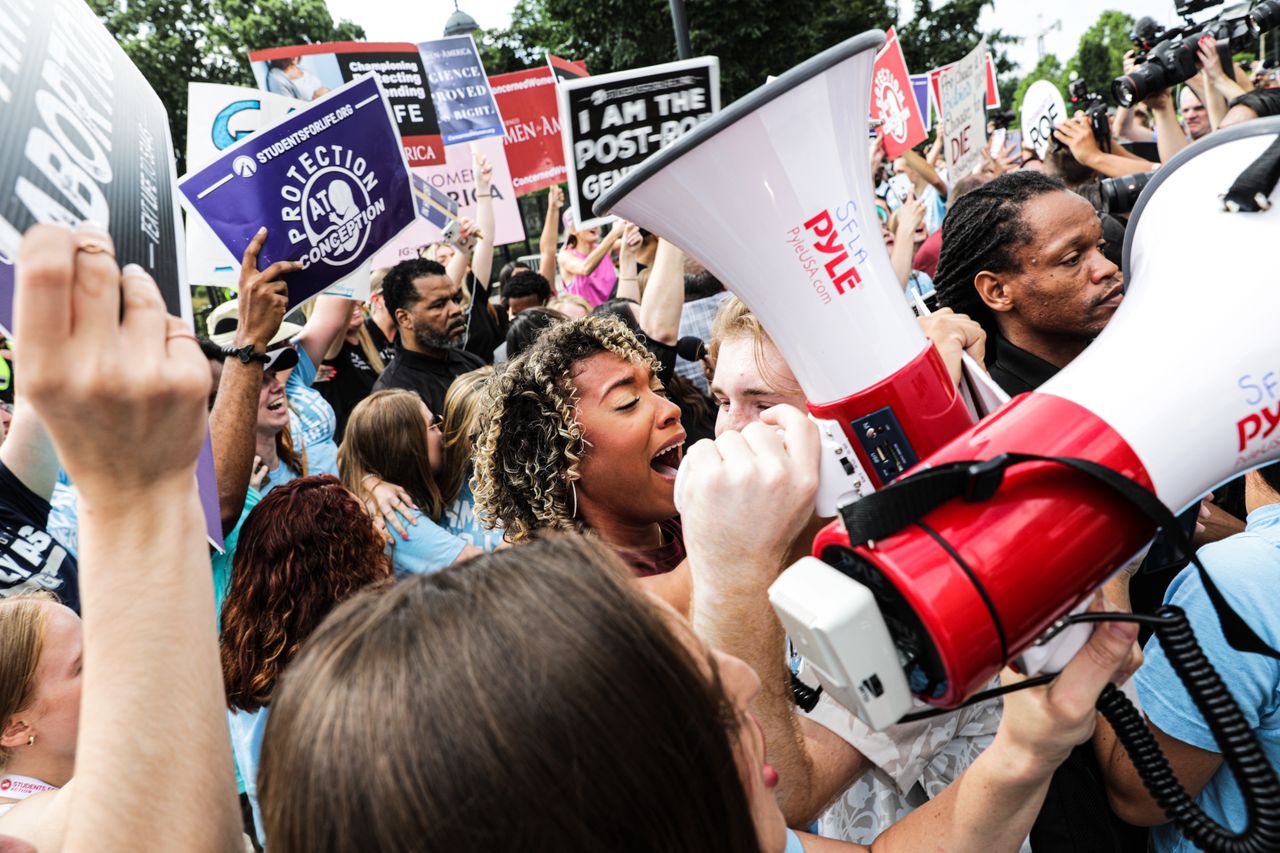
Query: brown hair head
(529,699)
(530,444)
(305,547)
(463,407)
(387,436)
(22,623)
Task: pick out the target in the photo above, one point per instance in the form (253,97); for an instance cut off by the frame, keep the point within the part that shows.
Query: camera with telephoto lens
(1119,195)
(1173,60)
(1094,107)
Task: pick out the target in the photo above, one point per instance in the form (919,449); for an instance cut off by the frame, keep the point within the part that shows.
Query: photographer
(1077,134)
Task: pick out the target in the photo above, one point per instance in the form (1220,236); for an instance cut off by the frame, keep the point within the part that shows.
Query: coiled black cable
(1240,748)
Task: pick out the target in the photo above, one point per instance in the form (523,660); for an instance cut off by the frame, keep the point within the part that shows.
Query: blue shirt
(793,843)
(460,519)
(312,424)
(246,743)
(1246,567)
(428,549)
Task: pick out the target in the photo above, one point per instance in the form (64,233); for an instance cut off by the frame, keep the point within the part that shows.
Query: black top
(385,348)
(486,327)
(1018,371)
(352,381)
(430,377)
(30,558)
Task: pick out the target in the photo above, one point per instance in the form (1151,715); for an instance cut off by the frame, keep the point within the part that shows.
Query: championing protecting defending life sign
(330,183)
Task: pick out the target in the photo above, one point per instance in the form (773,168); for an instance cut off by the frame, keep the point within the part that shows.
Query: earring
(31,740)
(573,490)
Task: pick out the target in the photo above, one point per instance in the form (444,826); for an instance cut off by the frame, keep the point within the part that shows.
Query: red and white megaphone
(774,196)
(1180,393)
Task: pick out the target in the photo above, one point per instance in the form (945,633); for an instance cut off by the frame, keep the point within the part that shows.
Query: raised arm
(663,299)
(628,266)
(1170,136)
(482,255)
(234,419)
(550,236)
(910,215)
(129,438)
(327,323)
(1076,134)
(28,452)
(926,171)
(571,265)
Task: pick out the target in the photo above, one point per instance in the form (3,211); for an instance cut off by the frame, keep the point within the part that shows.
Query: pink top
(597,287)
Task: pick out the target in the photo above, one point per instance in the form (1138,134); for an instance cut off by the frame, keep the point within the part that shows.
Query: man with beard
(431,325)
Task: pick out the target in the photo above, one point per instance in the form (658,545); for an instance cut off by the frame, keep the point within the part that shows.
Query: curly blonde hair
(529,448)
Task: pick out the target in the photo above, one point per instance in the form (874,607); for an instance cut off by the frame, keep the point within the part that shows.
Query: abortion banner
(610,123)
(456,179)
(893,102)
(1043,109)
(218,117)
(460,91)
(920,88)
(330,184)
(962,102)
(993,91)
(311,71)
(85,138)
(535,154)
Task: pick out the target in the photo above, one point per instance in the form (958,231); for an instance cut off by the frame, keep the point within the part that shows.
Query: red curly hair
(305,548)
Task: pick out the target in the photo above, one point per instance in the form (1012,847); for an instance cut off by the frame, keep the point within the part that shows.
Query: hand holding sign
(263,297)
(1042,110)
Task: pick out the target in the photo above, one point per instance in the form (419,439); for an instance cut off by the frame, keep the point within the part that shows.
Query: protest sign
(993,92)
(85,138)
(962,102)
(456,179)
(310,71)
(465,107)
(893,102)
(564,69)
(330,184)
(1043,109)
(6,295)
(535,154)
(218,117)
(433,205)
(609,124)
(920,88)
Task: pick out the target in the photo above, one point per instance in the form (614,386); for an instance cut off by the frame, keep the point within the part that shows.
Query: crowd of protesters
(455,590)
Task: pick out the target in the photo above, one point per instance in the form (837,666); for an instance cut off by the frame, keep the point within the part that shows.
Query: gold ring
(176,335)
(91,246)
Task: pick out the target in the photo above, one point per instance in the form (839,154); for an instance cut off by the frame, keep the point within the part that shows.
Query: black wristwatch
(247,354)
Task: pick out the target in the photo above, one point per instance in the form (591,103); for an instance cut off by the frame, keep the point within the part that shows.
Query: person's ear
(993,290)
(404,319)
(16,733)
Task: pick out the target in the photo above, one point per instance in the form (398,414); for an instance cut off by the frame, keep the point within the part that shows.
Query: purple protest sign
(207,482)
(6,295)
(920,88)
(464,103)
(330,183)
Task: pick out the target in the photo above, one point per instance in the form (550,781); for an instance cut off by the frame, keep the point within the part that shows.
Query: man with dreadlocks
(1023,256)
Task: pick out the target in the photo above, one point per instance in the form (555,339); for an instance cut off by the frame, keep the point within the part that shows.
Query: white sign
(217,117)
(962,90)
(1043,109)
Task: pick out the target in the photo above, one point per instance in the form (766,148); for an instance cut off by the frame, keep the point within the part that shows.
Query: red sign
(527,101)
(893,102)
(993,91)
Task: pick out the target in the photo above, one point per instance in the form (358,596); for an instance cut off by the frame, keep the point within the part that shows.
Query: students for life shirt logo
(891,104)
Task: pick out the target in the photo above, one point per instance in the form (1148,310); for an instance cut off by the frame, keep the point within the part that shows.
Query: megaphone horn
(774,196)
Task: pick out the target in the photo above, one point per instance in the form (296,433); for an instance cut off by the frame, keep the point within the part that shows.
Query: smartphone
(900,186)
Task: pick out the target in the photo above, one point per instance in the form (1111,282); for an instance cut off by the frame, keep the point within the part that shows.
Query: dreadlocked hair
(983,231)
(528,451)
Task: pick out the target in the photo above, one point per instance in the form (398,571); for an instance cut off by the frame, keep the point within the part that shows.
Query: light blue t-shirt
(428,549)
(793,843)
(460,519)
(312,424)
(1246,567)
(246,743)
(920,283)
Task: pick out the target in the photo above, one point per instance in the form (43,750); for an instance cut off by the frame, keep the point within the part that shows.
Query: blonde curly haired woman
(580,436)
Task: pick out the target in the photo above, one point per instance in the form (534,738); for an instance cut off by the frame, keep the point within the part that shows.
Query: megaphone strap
(909,499)
(1251,192)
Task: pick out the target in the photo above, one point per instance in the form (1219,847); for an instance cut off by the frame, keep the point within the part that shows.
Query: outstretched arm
(482,255)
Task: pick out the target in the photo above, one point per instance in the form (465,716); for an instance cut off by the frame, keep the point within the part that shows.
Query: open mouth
(275,405)
(667,460)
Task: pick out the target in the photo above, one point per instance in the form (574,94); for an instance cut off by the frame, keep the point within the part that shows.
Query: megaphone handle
(1241,751)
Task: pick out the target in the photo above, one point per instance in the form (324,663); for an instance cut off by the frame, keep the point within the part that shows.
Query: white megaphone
(1180,393)
(774,196)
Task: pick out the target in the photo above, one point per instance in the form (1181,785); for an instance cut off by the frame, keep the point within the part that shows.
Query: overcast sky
(397,20)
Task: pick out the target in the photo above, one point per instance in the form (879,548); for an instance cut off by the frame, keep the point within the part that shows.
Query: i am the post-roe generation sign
(330,183)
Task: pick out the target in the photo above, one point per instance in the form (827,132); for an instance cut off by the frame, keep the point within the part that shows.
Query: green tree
(1099,57)
(209,41)
(1048,68)
(943,31)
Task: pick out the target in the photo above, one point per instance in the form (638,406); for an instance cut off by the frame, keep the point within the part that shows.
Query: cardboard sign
(962,99)
(609,124)
(535,153)
(218,117)
(893,102)
(330,183)
(456,179)
(311,71)
(85,138)
(920,89)
(993,92)
(1043,109)
(465,107)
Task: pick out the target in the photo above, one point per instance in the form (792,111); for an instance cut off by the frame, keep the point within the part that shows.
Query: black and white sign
(85,138)
(611,123)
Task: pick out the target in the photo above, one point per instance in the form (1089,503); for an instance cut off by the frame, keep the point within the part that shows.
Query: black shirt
(428,376)
(385,348)
(30,558)
(1018,371)
(352,381)
(486,327)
